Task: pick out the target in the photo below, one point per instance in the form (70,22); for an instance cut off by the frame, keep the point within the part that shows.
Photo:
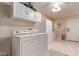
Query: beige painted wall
(71,23)
(59,29)
(7,25)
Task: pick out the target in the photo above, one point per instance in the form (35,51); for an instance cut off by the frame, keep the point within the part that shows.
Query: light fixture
(56,7)
(54,10)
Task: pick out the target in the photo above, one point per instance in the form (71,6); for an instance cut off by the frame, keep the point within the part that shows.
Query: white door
(73,27)
(49,30)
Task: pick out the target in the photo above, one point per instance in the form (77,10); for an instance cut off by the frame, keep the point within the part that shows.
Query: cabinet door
(29,14)
(43,43)
(37,17)
(32,15)
(30,47)
(18,10)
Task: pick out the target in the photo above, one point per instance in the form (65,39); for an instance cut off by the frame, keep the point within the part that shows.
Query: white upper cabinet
(38,17)
(22,12)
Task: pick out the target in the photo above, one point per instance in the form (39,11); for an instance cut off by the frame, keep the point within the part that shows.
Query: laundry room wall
(70,26)
(59,27)
(7,25)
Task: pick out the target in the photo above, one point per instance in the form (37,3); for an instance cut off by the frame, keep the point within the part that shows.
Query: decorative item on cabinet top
(28,4)
(20,11)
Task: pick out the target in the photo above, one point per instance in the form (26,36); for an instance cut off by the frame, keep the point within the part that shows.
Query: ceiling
(67,9)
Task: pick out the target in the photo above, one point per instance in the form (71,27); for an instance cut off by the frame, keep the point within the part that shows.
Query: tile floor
(65,47)
(51,52)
